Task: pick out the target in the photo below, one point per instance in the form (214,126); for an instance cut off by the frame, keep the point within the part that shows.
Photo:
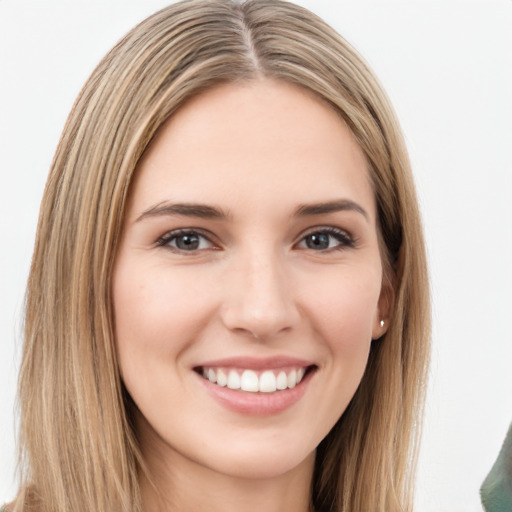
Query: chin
(262,465)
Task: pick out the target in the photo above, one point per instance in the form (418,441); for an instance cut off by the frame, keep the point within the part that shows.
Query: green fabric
(496,491)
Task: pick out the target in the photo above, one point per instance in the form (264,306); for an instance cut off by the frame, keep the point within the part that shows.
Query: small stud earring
(382,323)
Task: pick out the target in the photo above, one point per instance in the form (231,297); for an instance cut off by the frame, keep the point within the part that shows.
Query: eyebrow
(202,211)
(339,205)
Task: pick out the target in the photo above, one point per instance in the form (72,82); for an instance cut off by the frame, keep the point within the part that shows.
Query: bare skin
(249,247)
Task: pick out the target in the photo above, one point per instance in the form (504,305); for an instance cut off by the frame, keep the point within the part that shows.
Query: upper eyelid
(328,229)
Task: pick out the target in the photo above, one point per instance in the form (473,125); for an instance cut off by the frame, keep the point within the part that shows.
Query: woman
(228,292)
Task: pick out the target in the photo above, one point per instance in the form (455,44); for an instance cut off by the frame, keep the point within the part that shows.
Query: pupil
(318,241)
(187,242)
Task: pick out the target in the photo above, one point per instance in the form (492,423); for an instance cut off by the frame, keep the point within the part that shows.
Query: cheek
(341,306)
(157,314)
(344,306)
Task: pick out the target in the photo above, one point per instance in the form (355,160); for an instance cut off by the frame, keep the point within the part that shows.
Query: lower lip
(257,404)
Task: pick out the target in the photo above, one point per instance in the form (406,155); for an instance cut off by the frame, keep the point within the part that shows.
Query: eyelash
(343,238)
(165,240)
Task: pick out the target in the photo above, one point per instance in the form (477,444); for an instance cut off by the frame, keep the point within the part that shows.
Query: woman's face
(249,257)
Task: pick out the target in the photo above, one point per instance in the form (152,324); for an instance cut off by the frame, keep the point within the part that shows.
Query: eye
(324,239)
(184,240)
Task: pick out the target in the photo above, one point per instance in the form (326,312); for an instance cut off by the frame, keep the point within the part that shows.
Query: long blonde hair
(78,447)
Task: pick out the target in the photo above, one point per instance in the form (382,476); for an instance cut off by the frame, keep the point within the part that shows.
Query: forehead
(259,143)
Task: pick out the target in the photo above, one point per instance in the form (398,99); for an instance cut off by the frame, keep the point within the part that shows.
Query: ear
(384,308)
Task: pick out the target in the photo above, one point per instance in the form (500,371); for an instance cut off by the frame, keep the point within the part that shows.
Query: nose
(260,301)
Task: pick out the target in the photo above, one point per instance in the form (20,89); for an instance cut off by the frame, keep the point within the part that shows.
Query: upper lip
(256,363)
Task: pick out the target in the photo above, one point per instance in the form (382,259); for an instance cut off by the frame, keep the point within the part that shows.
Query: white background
(447,66)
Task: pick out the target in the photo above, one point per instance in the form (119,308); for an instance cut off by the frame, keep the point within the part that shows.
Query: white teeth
(233,380)
(282,380)
(292,379)
(268,382)
(249,381)
(222,378)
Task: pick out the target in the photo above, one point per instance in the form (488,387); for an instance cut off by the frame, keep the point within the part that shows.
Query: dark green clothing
(496,491)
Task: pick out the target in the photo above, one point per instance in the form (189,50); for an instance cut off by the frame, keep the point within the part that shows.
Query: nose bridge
(261,302)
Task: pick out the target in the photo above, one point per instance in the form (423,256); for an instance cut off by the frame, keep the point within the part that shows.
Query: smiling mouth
(252,381)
